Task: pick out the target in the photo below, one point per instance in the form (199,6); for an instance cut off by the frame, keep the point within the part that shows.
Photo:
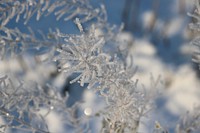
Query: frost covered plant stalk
(25,100)
(84,54)
(195,26)
(26,9)
(190,122)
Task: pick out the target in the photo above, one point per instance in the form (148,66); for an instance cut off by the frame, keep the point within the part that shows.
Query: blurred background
(160,42)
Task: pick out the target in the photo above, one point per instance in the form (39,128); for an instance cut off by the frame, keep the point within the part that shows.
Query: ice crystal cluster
(31,62)
(191,121)
(195,27)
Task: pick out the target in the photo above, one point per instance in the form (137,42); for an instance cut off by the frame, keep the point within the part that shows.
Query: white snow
(53,120)
(173,27)
(148,18)
(183,93)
